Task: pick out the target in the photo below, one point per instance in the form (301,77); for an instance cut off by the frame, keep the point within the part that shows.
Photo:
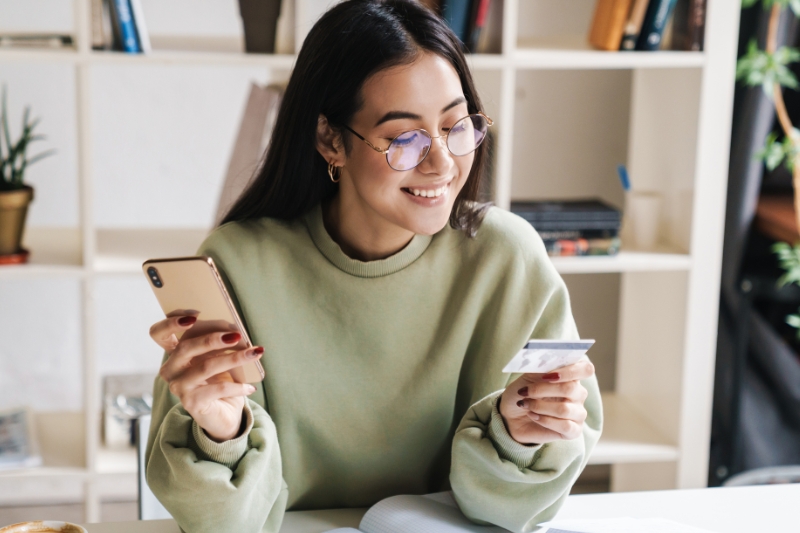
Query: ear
(329,143)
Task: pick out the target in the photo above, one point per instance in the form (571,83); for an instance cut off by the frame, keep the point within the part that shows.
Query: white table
(767,509)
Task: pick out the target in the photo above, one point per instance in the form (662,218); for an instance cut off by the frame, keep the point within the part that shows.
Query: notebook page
(419,514)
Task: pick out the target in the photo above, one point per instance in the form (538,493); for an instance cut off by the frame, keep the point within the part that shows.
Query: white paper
(620,525)
(542,356)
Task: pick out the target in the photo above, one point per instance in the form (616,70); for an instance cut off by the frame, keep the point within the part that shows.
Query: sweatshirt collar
(369,269)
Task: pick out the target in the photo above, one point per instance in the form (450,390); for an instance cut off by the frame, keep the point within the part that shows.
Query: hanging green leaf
(760,68)
(789,260)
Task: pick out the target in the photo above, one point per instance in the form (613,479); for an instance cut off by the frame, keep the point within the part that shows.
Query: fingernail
(533,416)
(231,338)
(187,320)
(255,352)
(552,376)
(250,389)
(523,391)
(521,404)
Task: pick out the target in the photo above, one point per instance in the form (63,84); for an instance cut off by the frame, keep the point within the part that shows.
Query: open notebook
(432,513)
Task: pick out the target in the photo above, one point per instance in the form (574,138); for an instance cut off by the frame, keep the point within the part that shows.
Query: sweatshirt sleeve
(210,487)
(495,479)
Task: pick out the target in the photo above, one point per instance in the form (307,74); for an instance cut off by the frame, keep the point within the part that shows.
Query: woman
(384,302)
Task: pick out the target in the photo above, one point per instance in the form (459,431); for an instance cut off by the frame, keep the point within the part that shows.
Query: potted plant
(15,195)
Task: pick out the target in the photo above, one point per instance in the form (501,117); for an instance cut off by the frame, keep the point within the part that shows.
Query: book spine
(554,235)
(634,25)
(581,247)
(690,21)
(655,21)
(141,26)
(608,24)
(456,14)
(98,40)
(127,29)
(480,15)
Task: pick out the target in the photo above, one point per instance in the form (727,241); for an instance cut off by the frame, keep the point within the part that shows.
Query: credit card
(540,356)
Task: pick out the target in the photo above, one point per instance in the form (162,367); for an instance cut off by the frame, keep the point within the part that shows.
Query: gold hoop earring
(333,170)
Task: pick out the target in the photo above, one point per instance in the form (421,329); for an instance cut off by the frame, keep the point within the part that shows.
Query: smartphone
(193,286)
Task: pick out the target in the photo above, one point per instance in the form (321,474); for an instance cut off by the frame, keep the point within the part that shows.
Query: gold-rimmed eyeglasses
(410,148)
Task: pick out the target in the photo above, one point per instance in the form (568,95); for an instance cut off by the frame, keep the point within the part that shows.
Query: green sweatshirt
(382,378)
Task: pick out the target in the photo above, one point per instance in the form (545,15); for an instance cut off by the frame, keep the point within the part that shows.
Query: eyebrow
(396,115)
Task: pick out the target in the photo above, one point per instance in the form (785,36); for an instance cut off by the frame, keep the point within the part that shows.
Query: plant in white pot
(15,195)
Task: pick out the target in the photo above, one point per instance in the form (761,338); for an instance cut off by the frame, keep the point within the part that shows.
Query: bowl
(43,526)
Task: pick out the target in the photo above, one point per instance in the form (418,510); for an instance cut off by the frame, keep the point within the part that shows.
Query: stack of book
(119,25)
(477,23)
(648,25)
(573,227)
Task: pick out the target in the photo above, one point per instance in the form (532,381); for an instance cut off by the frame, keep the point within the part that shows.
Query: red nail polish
(521,403)
(523,391)
(255,352)
(231,338)
(552,376)
(187,320)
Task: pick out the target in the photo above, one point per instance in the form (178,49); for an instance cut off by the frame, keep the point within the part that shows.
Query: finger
(181,358)
(570,390)
(165,332)
(557,409)
(581,370)
(568,429)
(200,400)
(201,372)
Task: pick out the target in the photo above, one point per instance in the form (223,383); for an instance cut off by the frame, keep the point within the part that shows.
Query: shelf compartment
(54,252)
(124,250)
(63,474)
(628,437)
(624,261)
(573,52)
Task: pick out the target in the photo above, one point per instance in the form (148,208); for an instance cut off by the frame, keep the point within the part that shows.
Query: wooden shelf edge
(624,261)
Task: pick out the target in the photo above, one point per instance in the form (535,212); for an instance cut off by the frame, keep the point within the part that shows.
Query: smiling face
(425,94)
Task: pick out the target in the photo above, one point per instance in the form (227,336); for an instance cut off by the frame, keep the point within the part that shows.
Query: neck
(361,233)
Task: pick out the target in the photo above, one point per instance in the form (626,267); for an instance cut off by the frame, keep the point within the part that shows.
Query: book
(141,26)
(478,18)
(98,26)
(582,247)
(634,25)
(555,211)
(124,28)
(19,447)
(608,23)
(34,40)
(255,131)
(456,14)
(689,21)
(260,19)
(490,40)
(431,513)
(655,20)
(555,235)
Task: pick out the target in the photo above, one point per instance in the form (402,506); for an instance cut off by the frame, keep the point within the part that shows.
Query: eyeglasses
(410,148)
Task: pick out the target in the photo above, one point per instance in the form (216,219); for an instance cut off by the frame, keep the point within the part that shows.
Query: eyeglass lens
(409,149)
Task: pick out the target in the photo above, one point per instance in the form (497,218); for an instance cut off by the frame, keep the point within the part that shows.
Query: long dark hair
(352,41)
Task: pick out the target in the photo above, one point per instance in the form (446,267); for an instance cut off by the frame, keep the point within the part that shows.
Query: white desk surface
(767,509)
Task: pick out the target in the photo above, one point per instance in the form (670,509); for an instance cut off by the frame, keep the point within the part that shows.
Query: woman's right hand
(202,381)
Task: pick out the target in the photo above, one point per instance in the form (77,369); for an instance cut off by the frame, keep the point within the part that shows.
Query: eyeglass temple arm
(379,150)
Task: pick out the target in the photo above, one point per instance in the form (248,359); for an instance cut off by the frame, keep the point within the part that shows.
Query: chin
(430,227)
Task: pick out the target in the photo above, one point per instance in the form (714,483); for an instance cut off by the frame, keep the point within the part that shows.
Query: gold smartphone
(193,286)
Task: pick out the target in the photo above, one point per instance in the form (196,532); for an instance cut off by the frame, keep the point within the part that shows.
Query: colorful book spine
(456,14)
(634,25)
(688,25)
(582,247)
(480,13)
(655,21)
(127,28)
(141,26)
(608,23)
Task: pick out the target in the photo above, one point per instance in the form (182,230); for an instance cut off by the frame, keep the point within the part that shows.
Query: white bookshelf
(667,115)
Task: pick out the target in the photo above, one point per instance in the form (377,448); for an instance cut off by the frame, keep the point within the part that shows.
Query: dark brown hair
(351,42)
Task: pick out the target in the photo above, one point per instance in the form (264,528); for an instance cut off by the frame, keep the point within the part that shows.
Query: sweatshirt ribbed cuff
(226,453)
(520,454)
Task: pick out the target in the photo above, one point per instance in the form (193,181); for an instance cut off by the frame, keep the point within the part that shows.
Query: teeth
(428,193)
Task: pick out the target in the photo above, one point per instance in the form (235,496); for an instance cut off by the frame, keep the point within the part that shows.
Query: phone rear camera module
(154,277)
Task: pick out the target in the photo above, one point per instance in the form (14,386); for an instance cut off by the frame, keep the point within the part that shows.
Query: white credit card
(540,356)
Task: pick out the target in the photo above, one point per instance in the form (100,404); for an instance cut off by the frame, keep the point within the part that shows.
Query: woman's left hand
(540,408)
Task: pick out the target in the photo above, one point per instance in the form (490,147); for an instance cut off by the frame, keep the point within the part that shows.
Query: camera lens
(154,277)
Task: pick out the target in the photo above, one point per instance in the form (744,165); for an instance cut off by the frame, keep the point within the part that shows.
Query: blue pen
(623,177)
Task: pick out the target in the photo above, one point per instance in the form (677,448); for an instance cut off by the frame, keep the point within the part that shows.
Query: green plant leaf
(749,3)
(760,68)
(789,260)
(39,157)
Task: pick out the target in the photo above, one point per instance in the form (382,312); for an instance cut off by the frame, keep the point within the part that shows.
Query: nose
(439,160)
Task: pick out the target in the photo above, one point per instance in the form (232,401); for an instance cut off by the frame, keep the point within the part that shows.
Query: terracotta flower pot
(13,209)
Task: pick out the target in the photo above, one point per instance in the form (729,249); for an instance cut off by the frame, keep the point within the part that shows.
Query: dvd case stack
(573,227)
